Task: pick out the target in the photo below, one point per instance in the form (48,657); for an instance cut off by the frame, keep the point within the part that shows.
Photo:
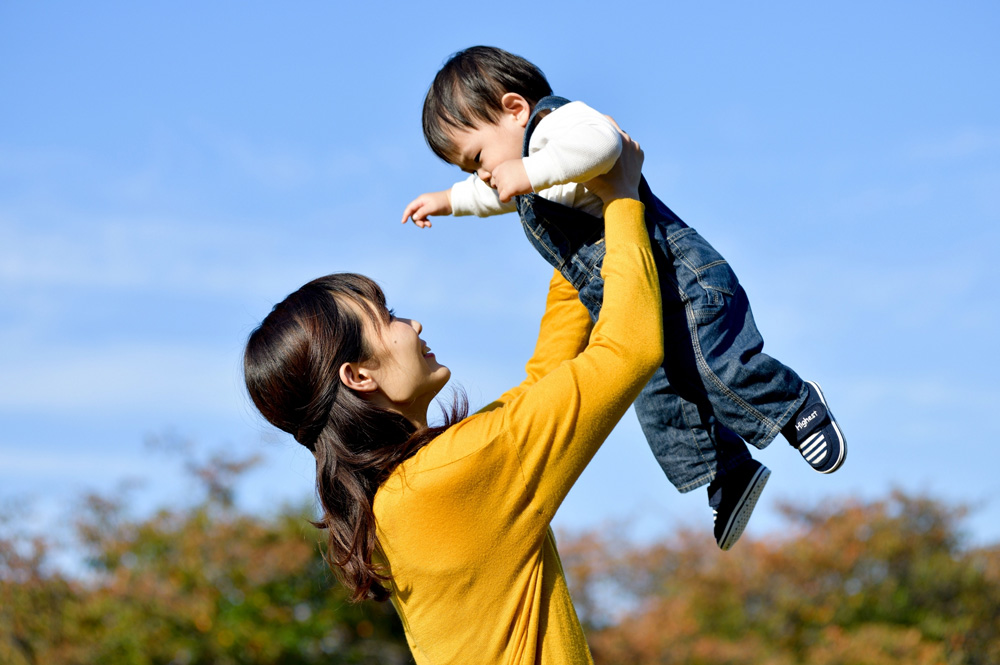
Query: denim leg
(751,393)
(676,416)
(690,446)
(715,385)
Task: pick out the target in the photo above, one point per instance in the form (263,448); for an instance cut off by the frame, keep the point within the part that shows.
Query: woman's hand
(622,181)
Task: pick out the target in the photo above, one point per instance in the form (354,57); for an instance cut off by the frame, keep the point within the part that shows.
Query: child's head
(468,94)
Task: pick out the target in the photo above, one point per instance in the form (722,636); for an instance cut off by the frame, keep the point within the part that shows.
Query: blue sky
(168,171)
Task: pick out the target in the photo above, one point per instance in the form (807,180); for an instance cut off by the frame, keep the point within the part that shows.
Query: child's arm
(574,143)
(471,196)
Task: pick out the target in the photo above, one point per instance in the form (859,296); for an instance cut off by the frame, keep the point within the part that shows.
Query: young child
(492,114)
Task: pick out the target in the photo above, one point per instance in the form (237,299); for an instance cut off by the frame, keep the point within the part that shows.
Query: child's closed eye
(473,166)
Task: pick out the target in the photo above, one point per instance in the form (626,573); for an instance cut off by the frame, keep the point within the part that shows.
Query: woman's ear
(357,377)
(516,106)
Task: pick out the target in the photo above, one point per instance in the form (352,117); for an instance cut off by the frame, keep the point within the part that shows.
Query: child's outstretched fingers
(425,205)
(412,211)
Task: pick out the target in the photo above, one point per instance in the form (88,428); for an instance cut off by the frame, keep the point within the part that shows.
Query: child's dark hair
(468,89)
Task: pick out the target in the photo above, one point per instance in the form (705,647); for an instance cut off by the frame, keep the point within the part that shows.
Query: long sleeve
(463,525)
(562,335)
(573,143)
(563,419)
(472,196)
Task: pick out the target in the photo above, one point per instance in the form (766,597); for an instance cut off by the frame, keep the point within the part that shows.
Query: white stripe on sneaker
(810,444)
(818,451)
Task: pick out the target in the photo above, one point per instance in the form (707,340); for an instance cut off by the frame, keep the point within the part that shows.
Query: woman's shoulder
(473,458)
(453,447)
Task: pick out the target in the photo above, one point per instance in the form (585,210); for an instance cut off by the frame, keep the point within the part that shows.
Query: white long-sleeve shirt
(570,145)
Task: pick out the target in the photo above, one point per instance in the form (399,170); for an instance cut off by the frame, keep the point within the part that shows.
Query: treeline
(856,583)
(852,583)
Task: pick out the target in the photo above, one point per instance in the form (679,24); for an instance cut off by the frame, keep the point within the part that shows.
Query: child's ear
(357,377)
(516,106)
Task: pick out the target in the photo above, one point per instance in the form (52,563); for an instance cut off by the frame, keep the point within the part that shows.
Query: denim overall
(715,388)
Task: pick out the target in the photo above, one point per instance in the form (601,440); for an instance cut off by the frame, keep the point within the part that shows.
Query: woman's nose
(416,325)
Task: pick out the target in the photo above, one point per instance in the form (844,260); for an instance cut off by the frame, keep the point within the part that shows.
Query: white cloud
(924,396)
(285,166)
(892,201)
(133,377)
(958,145)
(22,460)
(870,297)
(155,254)
(38,160)
(279,168)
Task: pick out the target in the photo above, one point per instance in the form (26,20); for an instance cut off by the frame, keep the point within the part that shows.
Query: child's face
(480,149)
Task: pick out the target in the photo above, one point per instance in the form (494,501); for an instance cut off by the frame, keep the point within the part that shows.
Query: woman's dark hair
(468,89)
(292,370)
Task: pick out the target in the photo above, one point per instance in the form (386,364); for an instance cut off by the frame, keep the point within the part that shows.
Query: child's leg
(676,416)
(750,392)
(680,434)
(690,445)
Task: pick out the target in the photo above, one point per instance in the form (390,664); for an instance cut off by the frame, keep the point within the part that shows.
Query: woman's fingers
(621,131)
(627,141)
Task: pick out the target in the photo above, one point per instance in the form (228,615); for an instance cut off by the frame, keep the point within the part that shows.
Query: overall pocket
(702,273)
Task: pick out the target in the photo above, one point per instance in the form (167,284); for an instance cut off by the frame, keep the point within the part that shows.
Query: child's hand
(510,179)
(425,205)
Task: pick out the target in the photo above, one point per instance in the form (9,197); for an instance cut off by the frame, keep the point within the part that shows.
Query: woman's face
(406,371)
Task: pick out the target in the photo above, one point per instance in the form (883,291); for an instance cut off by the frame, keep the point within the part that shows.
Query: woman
(452,522)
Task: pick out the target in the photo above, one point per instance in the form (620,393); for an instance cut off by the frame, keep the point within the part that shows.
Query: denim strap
(542,108)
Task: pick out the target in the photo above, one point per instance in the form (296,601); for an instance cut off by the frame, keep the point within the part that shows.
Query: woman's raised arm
(566,325)
(559,422)
(562,335)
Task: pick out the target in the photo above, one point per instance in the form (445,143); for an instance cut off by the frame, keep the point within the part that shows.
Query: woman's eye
(392,315)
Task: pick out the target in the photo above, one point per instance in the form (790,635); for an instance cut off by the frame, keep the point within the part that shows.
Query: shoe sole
(741,515)
(840,437)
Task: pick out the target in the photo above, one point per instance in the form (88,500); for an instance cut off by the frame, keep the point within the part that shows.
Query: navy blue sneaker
(814,432)
(733,501)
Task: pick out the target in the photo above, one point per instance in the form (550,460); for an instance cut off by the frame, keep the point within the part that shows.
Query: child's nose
(484,175)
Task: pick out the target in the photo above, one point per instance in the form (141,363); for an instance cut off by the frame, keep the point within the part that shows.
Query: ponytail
(291,368)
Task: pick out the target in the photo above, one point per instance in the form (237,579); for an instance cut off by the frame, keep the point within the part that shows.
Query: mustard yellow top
(464,523)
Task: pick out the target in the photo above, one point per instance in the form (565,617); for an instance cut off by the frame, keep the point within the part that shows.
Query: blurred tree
(852,583)
(848,583)
(205,584)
